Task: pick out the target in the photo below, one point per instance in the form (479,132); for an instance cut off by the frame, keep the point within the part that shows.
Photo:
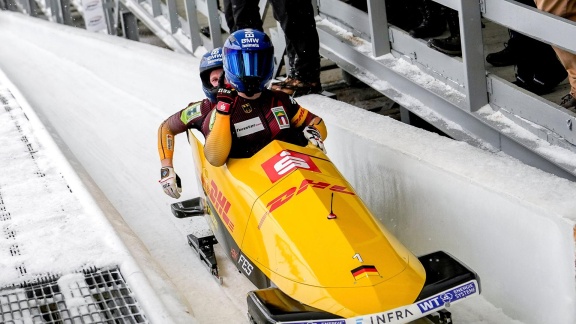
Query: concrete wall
(511,223)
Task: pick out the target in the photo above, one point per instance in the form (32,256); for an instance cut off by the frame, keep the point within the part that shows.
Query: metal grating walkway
(101,296)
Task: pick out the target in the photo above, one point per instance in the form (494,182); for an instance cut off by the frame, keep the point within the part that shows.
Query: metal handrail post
(214,23)
(129,23)
(33,8)
(192,20)
(379,27)
(108,6)
(172,16)
(56,11)
(473,54)
(26,6)
(64,8)
(156,8)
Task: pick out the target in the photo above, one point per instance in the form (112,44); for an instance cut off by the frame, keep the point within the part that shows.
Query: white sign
(94,15)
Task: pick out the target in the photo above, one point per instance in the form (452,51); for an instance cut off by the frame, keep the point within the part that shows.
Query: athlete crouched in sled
(193,116)
(248,116)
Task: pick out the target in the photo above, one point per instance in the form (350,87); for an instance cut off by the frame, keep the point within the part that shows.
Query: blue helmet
(248,60)
(210,61)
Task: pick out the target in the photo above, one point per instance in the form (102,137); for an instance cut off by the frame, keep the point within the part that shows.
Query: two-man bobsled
(295,227)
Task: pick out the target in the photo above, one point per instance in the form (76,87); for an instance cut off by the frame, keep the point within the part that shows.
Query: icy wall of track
(57,240)
(511,223)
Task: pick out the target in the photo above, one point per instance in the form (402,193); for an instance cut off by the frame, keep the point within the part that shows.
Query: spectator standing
(433,22)
(242,14)
(537,68)
(565,9)
(296,18)
(450,45)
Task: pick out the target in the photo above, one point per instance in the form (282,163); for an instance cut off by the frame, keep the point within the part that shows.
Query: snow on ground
(102,98)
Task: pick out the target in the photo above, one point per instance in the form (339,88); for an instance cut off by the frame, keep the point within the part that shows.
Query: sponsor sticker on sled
(447,297)
(364,271)
(336,321)
(286,161)
(409,313)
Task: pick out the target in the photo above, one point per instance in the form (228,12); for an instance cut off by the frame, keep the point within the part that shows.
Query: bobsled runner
(296,228)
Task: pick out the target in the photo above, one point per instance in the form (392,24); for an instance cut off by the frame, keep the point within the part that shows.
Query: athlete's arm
(189,117)
(219,141)
(304,118)
(166,132)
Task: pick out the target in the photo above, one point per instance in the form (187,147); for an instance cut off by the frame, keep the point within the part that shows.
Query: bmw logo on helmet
(248,59)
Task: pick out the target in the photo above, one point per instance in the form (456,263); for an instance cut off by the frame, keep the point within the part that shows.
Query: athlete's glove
(170,182)
(313,136)
(225,98)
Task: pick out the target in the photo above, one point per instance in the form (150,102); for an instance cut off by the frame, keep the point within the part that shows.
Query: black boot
(503,58)
(433,22)
(507,56)
(450,45)
(538,69)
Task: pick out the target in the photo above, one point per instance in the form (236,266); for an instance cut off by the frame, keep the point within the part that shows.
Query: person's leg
(569,61)
(565,9)
(507,56)
(229,15)
(452,44)
(433,21)
(537,68)
(296,17)
(246,15)
(512,48)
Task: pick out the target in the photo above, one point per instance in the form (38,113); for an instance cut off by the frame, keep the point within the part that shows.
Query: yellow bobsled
(296,228)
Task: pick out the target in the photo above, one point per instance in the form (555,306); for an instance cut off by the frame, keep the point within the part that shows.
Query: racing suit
(190,117)
(253,124)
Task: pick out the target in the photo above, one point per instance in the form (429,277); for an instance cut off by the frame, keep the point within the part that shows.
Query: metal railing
(472,87)
(475,86)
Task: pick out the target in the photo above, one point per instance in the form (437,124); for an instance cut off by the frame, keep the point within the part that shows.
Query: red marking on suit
(223,106)
(221,204)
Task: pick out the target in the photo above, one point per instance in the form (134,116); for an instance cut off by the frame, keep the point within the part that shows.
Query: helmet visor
(250,63)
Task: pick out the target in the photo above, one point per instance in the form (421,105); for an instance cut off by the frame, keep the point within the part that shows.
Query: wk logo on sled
(447,297)
(284,162)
